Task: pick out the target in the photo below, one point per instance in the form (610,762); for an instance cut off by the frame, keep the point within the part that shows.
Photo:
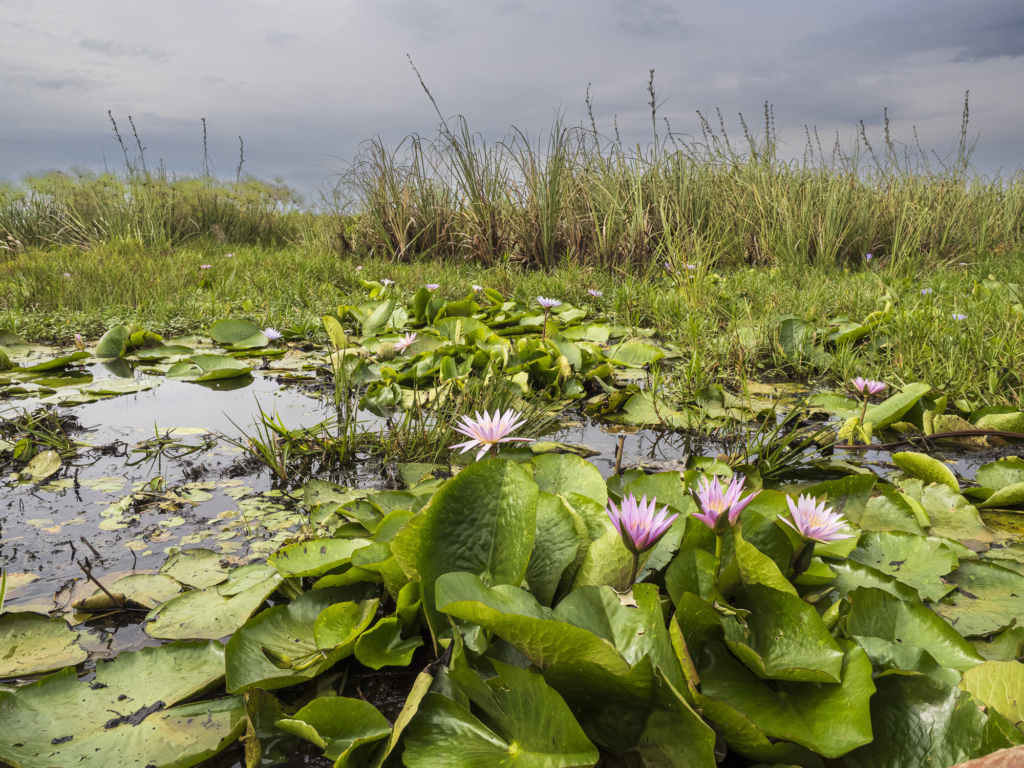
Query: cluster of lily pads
(560,618)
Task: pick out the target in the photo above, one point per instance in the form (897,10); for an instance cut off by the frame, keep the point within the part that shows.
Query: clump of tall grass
(582,198)
(146,206)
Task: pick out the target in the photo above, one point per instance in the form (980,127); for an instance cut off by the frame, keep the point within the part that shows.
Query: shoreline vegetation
(752,265)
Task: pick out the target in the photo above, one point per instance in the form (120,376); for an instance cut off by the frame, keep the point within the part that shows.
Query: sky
(305,83)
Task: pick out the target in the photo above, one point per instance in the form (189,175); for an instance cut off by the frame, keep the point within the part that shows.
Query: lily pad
(987,598)
(316,557)
(121,719)
(926,468)
(916,561)
(239,334)
(30,644)
(197,568)
(383,646)
(999,685)
(344,728)
(200,368)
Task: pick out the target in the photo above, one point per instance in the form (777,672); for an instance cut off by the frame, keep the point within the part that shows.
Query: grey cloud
(652,18)
(280,38)
(112,49)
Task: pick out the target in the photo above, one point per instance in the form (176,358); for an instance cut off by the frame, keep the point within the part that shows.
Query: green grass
(724,322)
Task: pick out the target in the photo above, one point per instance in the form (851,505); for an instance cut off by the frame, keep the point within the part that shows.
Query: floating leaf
(239,334)
(316,557)
(916,561)
(121,718)
(382,646)
(987,598)
(918,720)
(195,567)
(114,342)
(30,644)
(926,468)
(999,685)
(42,465)
(344,728)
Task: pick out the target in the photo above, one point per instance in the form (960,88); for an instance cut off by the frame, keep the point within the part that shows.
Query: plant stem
(544,329)
(634,570)
(718,556)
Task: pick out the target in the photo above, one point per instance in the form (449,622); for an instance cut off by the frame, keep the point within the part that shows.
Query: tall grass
(580,197)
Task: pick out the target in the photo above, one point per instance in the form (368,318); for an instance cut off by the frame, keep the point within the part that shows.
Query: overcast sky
(305,82)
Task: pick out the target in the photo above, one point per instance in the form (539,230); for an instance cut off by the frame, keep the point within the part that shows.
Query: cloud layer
(305,83)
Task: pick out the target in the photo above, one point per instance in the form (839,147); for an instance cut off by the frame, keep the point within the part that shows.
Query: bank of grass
(724,322)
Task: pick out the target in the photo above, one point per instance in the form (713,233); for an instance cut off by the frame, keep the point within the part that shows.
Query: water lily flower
(721,507)
(432,286)
(387,282)
(637,523)
(359,267)
(67,275)
(477,288)
(405,342)
(595,294)
(229,255)
(867,257)
(813,522)
(926,291)
(691,266)
(79,342)
(548,303)
(868,387)
(487,431)
(272,333)
(959,318)
(204,266)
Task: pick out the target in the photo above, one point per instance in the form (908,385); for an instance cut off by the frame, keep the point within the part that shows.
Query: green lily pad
(383,646)
(875,613)
(58,362)
(200,368)
(783,638)
(147,590)
(999,685)
(481,522)
(304,638)
(530,725)
(213,612)
(918,720)
(42,465)
(565,473)
(1008,496)
(344,728)
(893,408)
(195,567)
(30,644)
(827,718)
(987,599)
(916,561)
(926,468)
(316,557)
(555,547)
(239,334)
(114,342)
(120,720)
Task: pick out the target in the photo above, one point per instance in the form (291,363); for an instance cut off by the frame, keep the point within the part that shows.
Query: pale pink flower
(272,333)
(637,524)
(387,282)
(548,303)
(595,294)
(867,386)
(359,267)
(815,523)
(477,288)
(715,500)
(405,342)
(204,266)
(432,286)
(67,275)
(487,431)
(79,342)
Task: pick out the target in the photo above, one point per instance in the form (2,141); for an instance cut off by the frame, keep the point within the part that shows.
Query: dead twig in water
(95,581)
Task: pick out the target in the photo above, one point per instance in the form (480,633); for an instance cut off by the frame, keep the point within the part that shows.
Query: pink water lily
(595,294)
(405,342)
(548,303)
(432,286)
(79,342)
(204,266)
(272,333)
(813,522)
(477,287)
(637,523)
(387,282)
(720,506)
(867,386)
(487,431)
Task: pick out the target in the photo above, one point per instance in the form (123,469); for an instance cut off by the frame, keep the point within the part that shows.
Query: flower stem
(544,329)
(634,570)
(718,556)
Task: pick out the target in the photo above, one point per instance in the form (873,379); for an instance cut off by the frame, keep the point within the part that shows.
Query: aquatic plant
(488,431)
(720,507)
(405,342)
(272,334)
(640,526)
(814,522)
